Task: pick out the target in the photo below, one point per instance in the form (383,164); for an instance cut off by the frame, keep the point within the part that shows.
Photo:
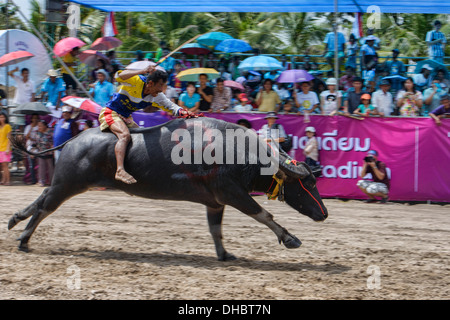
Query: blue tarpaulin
(385,6)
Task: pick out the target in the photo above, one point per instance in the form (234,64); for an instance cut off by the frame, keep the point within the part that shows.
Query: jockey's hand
(187,114)
(149,69)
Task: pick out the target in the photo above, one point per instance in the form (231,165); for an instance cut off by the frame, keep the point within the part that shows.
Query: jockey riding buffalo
(165,168)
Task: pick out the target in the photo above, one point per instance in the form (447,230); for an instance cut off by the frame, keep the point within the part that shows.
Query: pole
(7,51)
(336,42)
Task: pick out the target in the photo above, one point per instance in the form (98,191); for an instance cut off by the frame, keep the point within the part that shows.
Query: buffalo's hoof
(227,257)
(291,242)
(12,223)
(23,247)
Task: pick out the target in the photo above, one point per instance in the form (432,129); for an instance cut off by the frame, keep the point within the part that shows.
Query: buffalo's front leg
(215,216)
(243,202)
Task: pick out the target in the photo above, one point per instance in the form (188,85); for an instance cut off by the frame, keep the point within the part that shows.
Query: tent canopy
(386,6)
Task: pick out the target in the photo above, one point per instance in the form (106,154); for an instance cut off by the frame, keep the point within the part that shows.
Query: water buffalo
(88,160)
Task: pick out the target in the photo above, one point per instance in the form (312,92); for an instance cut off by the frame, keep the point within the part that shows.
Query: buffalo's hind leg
(215,216)
(46,204)
(243,202)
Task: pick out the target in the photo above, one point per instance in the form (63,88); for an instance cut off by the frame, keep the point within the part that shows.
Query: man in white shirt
(25,88)
(382,99)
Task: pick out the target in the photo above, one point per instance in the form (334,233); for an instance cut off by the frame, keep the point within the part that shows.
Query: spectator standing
(102,90)
(311,151)
(382,99)
(44,141)
(169,63)
(409,100)
(380,185)
(70,61)
(221,96)
(353,98)
(395,67)
(159,51)
(190,100)
(369,55)
(233,67)
(273,132)
(330,49)
(436,41)
(54,88)
(442,111)
(206,93)
(330,100)
(5,149)
(139,56)
(267,99)
(432,97)
(65,129)
(100,64)
(352,52)
(25,88)
(369,33)
(306,100)
(30,134)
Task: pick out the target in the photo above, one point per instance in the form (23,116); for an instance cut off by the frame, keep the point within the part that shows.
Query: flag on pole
(357,28)
(109,28)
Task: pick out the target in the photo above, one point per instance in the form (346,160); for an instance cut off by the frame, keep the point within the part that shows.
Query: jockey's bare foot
(125,177)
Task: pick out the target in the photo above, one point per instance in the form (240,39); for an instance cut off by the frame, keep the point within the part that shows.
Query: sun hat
(66,108)
(372,152)
(365,96)
(52,73)
(271,115)
(243,97)
(310,129)
(331,81)
(427,66)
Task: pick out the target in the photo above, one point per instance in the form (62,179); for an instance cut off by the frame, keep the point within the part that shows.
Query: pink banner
(415,150)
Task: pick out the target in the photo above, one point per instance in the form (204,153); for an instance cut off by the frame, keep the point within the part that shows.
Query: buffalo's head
(300,191)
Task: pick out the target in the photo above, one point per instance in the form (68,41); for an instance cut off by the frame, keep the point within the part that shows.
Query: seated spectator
(267,99)
(330,100)
(311,151)
(382,99)
(380,185)
(330,49)
(221,97)
(445,83)
(422,80)
(205,92)
(432,97)
(102,90)
(211,62)
(352,51)
(190,100)
(353,98)
(306,100)
(409,100)
(346,81)
(54,88)
(366,109)
(442,111)
(244,104)
(169,63)
(44,141)
(288,107)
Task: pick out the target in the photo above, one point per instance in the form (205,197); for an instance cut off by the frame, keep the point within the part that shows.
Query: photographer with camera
(380,185)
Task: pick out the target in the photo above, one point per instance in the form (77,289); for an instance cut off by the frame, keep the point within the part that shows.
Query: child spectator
(366,109)
(244,105)
(311,150)
(330,99)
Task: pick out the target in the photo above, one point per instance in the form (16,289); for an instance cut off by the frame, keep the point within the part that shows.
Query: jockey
(135,92)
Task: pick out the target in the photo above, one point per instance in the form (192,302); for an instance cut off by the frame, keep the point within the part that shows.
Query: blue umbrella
(260,63)
(213,38)
(233,45)
(433,65)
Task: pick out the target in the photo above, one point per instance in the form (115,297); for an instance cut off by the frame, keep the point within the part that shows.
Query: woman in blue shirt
(190,100)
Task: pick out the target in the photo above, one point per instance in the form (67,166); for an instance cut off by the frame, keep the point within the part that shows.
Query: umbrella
(233,45)
(192,74)
(295,75)
(194,48)
(233,85)
(89,57)
(66,45)
(31,108)
(434,65)
(260,63)
(106,43)
(396,77)
(83,104)
(213,38)
(15,57)
(140,65)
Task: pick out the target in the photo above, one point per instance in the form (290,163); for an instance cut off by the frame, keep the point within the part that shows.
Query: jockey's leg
(120,129)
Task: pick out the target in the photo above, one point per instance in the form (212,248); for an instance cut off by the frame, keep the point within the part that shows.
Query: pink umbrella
(15,57)
(89,57)
(83,104)
(234,85)
(66,45)
(106,43)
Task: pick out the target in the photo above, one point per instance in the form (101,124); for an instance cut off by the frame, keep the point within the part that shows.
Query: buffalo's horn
(297,170)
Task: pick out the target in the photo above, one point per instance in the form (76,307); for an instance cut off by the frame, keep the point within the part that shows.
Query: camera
(369,159)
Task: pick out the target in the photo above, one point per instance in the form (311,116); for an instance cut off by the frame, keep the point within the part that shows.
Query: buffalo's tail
(19,142)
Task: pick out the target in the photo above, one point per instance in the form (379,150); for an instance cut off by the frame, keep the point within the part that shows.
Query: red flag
(109,28)
(357,29)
